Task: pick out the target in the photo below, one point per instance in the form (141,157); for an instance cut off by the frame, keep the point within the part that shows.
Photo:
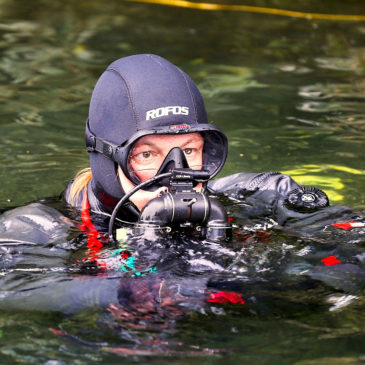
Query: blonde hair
(79,184)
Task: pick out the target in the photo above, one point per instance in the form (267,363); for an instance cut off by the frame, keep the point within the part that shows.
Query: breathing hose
(128,195)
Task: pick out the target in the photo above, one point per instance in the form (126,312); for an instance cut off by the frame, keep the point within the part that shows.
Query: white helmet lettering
(167,110)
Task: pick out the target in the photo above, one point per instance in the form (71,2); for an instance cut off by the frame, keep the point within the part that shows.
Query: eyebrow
(192,140)
(152,144)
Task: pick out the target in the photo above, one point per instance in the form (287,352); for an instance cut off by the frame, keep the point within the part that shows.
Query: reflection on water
(221,79)
(289,94)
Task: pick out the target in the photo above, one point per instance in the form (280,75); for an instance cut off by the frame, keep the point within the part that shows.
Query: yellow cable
(252,9)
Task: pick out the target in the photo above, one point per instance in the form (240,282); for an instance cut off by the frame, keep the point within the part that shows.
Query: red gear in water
(348,225)
(331,260)
(93,242)
(224,297)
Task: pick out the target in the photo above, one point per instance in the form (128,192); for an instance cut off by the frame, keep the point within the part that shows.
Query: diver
(153,156)
(148,134)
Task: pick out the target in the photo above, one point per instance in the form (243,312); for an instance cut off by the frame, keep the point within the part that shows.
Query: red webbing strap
(93,243)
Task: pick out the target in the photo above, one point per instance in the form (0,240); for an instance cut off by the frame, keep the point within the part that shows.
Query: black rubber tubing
(127,196)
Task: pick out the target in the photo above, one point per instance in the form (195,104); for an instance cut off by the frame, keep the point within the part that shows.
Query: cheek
(201,156)
(196,163)
(145,175)
(147,170)
(144,172)
(126,184)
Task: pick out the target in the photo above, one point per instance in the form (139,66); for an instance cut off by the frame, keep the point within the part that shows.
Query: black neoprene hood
(140,95)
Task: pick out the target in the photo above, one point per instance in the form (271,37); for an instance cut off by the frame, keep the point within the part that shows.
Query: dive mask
(213,157)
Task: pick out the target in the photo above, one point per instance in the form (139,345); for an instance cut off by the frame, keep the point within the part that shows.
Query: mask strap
(96,144)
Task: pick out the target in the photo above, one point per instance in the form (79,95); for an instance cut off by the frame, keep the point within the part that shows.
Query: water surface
(288,92)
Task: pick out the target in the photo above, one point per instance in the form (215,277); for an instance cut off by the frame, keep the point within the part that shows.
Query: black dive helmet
(142,95)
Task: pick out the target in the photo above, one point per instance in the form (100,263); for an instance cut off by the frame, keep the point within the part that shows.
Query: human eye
(189,151)
(144,157)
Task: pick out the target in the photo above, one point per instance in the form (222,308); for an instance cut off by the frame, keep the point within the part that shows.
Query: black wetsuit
(252,196)
(255,201)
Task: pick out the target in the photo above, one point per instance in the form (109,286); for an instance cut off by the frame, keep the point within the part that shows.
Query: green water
(289,93)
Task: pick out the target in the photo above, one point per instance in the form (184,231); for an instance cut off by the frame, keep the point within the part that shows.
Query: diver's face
(150,151)
(148,154)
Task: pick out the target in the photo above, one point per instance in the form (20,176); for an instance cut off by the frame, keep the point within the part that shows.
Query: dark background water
(289,93)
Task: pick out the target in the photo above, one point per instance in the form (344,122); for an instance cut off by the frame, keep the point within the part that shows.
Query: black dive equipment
(180,206)
(306,200)
(214,150)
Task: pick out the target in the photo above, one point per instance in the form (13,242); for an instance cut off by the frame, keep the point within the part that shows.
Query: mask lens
(142,166)
(214,152)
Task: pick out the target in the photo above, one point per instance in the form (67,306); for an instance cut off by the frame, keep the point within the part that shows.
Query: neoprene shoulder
(270,194)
